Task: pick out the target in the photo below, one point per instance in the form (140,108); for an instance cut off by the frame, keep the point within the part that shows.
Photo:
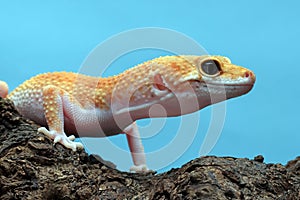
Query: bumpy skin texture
(71,103)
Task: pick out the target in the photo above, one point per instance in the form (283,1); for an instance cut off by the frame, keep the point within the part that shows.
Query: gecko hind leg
(53,109)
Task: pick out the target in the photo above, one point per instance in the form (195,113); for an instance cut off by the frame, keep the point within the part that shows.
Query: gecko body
(68,104)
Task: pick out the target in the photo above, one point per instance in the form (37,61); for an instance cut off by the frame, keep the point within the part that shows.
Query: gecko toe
(60,137)
(71,137)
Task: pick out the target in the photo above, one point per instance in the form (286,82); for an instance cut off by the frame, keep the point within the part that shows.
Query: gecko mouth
(229,86)
(198,84)
(230,90)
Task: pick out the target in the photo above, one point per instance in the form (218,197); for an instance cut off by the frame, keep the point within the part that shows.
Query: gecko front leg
(53,111)
(136,148)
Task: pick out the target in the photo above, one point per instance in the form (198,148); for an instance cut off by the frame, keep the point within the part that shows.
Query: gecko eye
(210,67)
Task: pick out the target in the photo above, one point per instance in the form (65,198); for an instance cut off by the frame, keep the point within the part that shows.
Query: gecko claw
(62,139)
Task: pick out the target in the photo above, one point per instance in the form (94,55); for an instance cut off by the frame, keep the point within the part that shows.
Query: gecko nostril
(247,74)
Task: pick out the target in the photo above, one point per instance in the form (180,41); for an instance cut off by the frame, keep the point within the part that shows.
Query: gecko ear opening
(159,83)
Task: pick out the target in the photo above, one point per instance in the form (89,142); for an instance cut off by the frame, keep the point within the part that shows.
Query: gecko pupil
(210,67)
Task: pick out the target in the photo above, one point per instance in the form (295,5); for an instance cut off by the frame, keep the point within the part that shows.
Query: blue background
(39,37)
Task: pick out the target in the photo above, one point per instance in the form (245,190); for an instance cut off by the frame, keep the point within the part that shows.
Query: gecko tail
(3,89)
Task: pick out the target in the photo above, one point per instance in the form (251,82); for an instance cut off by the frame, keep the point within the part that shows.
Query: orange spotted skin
(98,107)
(80,86)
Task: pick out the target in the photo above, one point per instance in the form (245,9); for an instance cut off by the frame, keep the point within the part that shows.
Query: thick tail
(3,89)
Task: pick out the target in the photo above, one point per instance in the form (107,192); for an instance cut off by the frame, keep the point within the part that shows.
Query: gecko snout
(250,75)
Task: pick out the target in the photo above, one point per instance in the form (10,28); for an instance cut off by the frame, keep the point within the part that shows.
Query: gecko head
(202,72)
(205,79)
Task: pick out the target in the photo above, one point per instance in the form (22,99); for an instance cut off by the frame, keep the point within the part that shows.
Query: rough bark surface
(32,168)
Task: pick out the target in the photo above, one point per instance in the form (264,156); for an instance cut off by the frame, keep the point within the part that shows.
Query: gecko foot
(140,169)
(62,138)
